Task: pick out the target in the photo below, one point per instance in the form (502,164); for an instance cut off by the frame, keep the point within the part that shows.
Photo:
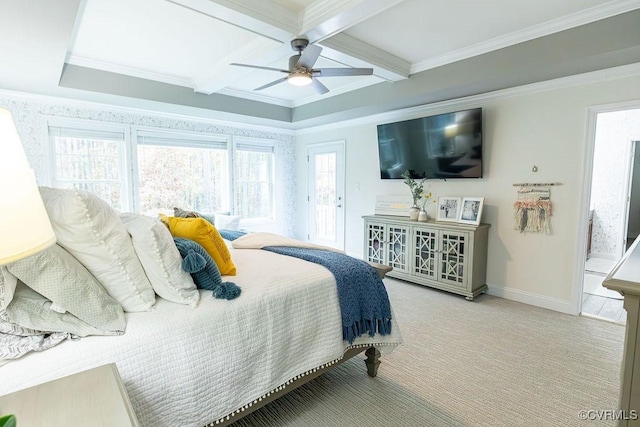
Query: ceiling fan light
(298,78)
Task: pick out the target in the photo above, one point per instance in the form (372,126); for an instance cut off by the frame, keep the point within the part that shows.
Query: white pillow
(161,259)
(91,231)
(227,222)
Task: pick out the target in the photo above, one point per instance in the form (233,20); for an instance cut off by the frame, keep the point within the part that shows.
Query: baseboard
(531,299)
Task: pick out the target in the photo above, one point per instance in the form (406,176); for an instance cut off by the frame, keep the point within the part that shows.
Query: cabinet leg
(373,361)
(469,298)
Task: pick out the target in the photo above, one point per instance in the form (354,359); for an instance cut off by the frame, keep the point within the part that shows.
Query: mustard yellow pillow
(202,231)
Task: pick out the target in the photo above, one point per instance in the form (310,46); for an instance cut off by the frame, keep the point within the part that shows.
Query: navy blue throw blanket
(231,234)
(364,302)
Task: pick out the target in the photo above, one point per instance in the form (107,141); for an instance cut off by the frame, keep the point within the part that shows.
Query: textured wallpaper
(614,133)
(30,117)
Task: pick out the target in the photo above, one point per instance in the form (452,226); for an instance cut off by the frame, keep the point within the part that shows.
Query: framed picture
(471,210)
(448,208)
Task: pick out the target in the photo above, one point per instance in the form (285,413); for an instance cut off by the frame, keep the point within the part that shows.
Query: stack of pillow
(205,253)
(222,220)
(103,265)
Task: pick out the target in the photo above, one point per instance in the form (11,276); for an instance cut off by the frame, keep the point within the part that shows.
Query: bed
(217,362)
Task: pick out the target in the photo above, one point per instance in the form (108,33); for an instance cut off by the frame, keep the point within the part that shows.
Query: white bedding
(189,367)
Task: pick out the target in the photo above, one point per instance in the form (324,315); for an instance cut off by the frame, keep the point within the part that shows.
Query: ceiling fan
(301,71)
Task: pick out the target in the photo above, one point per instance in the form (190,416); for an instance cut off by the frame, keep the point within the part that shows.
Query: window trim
(196,140)
(127,153)
(93,125)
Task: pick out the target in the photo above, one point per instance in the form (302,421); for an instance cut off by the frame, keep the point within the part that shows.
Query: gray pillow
(181,213)
(65,293)
(16,340)
(31,310)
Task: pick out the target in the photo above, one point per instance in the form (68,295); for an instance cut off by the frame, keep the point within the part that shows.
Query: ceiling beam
(273,25)
(325,18)
(356,53)
(321,21)
(263,17)
(324,22)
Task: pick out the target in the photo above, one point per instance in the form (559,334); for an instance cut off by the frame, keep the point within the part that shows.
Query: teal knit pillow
(203,269)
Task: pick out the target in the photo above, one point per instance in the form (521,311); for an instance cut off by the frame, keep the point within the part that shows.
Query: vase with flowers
(417,191)
(422,215)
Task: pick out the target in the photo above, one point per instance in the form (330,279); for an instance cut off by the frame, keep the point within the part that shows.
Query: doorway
(326,194)
(614,208)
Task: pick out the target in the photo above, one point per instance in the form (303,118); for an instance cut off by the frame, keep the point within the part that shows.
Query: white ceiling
(190,43)
(175,55)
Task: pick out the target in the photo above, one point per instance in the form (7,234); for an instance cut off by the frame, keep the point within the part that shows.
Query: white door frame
(635,151)
(585,198)
(627,195)
(339,148)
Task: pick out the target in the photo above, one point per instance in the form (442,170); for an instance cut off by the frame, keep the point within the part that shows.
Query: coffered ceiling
(180,52)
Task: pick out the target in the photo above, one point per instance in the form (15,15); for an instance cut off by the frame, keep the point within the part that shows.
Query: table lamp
(24,224)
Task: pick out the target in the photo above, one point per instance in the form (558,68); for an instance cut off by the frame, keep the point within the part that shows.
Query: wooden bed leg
(373,361)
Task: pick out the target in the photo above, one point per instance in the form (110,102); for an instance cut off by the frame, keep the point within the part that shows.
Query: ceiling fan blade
(319,87)
(259,67)
(333,72)
(309,56)
(273,83)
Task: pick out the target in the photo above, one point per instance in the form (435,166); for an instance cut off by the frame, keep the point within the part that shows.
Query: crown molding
(254,96)
(361,83)
(153,108)
(172,79)
(583,17)
(608,74)
(357,84)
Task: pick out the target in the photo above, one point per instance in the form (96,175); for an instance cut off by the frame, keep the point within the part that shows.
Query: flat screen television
(443,146)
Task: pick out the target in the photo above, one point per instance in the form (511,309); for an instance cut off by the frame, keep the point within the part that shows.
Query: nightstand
(92,398)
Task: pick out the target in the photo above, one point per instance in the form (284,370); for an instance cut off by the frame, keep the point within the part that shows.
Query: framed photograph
(471,210)
(448,208)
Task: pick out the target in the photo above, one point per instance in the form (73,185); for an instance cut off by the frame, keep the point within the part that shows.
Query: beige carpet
(490,362)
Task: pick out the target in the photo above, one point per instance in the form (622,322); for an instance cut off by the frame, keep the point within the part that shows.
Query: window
(253,194)
(185,170)
(90,159)
(156,170)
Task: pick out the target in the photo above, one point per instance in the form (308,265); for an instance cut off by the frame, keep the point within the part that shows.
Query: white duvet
(192,366)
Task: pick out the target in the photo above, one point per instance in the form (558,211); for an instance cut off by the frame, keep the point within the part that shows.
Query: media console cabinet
(447,256)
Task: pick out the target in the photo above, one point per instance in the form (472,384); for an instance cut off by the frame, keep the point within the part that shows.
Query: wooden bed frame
(372,362)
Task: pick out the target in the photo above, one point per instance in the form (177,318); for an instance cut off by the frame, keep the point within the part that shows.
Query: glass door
(326,194)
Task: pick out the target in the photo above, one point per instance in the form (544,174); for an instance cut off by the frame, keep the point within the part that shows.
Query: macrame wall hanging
(532,210)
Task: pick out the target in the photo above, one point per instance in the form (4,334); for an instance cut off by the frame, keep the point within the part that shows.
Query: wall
(609,187)
(547,129)
(29,114)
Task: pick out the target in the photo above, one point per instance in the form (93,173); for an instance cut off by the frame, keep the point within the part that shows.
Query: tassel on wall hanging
(532,210)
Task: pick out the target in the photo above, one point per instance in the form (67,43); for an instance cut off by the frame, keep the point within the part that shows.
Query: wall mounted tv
(436,147)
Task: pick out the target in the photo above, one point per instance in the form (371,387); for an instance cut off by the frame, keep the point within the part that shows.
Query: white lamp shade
(24,225)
